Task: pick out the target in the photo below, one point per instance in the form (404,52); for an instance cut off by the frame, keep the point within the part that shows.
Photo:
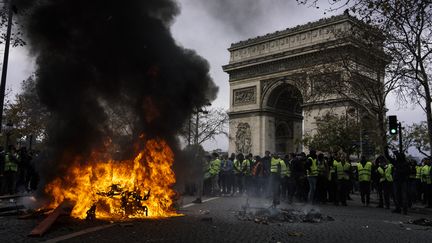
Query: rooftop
(298,28)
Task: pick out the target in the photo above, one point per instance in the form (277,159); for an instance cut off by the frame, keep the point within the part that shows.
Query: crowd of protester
(17,172)
(318,179)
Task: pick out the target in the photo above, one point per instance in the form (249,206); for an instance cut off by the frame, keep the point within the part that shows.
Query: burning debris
(112,189)
(275,215)
(131,201)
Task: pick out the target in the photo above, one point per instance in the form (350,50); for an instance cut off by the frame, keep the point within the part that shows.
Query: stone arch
(277,88)
(283,103)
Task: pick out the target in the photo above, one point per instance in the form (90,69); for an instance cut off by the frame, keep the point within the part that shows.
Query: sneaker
(198,200)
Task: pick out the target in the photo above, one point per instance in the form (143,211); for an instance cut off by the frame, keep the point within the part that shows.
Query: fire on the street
(107,189)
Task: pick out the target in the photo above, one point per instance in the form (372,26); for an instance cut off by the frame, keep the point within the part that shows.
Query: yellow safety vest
(274,165)
(343,171)
(388,173)
(364,173)
(313,169)
(237,167)
(215,166)
(425,174)
(285,169)
(246,167)
(332,169)
(381,173)
(10,165)
(418,172)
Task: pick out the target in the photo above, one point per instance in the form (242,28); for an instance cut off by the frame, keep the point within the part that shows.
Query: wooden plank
(63,209)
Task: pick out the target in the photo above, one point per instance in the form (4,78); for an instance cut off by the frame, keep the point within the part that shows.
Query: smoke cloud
(246,17)
(96,55)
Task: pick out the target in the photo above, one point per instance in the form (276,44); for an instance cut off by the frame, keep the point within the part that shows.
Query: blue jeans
(312,188)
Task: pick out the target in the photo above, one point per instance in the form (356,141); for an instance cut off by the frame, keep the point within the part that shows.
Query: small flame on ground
(150,170)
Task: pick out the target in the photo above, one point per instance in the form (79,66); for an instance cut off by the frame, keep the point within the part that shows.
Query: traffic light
(393,124)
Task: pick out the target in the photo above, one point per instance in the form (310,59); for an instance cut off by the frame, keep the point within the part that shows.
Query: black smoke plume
(93,55)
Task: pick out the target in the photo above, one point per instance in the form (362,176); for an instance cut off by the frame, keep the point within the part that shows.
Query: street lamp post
(5,61)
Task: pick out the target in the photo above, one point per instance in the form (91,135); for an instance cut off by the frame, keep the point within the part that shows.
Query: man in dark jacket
(400,181)
(266,173)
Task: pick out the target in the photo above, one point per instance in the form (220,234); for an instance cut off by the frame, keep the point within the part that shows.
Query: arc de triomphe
(270,77)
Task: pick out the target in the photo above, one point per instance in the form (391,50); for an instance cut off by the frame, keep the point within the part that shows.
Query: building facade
(273,79)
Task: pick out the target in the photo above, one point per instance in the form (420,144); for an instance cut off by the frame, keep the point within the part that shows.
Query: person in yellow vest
(379,179)
(418,181)
(288,186)
(275,175)
(343,172)
(238,172)
(332,179)
(364,170)
(10,171)
(322,179)
(385,172)
(312,174)
(427,183)
(215,166)
(247,173)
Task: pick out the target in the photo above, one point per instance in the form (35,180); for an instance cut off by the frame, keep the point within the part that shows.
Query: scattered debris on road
(275,215)
(204,212)
(421,221)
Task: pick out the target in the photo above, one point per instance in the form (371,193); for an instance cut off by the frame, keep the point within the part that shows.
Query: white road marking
(206,200)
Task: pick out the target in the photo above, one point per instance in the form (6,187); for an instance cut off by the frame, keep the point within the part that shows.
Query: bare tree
(210,125)
(407,26)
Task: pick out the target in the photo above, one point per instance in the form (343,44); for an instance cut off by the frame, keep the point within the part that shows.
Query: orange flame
(150,170)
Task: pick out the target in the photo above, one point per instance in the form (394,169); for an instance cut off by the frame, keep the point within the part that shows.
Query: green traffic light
(393,131)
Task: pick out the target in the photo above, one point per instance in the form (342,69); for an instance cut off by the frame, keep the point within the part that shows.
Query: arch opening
(285,107)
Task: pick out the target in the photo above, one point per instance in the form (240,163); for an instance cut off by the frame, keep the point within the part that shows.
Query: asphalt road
(215,221)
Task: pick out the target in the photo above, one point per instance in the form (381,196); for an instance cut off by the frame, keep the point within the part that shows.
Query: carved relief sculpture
(244,96)
(243,138)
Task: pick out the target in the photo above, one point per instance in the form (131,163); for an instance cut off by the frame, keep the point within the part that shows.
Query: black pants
(9,182)
(239,183)
(332,188)
(401,194)
(275,184)
(427,199)
(365,191)
(384,192)
(321,189)
(302,188)
(343,190)
(227,182)
(412,191)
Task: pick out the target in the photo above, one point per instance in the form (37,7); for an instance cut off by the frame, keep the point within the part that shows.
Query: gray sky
(209,27)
